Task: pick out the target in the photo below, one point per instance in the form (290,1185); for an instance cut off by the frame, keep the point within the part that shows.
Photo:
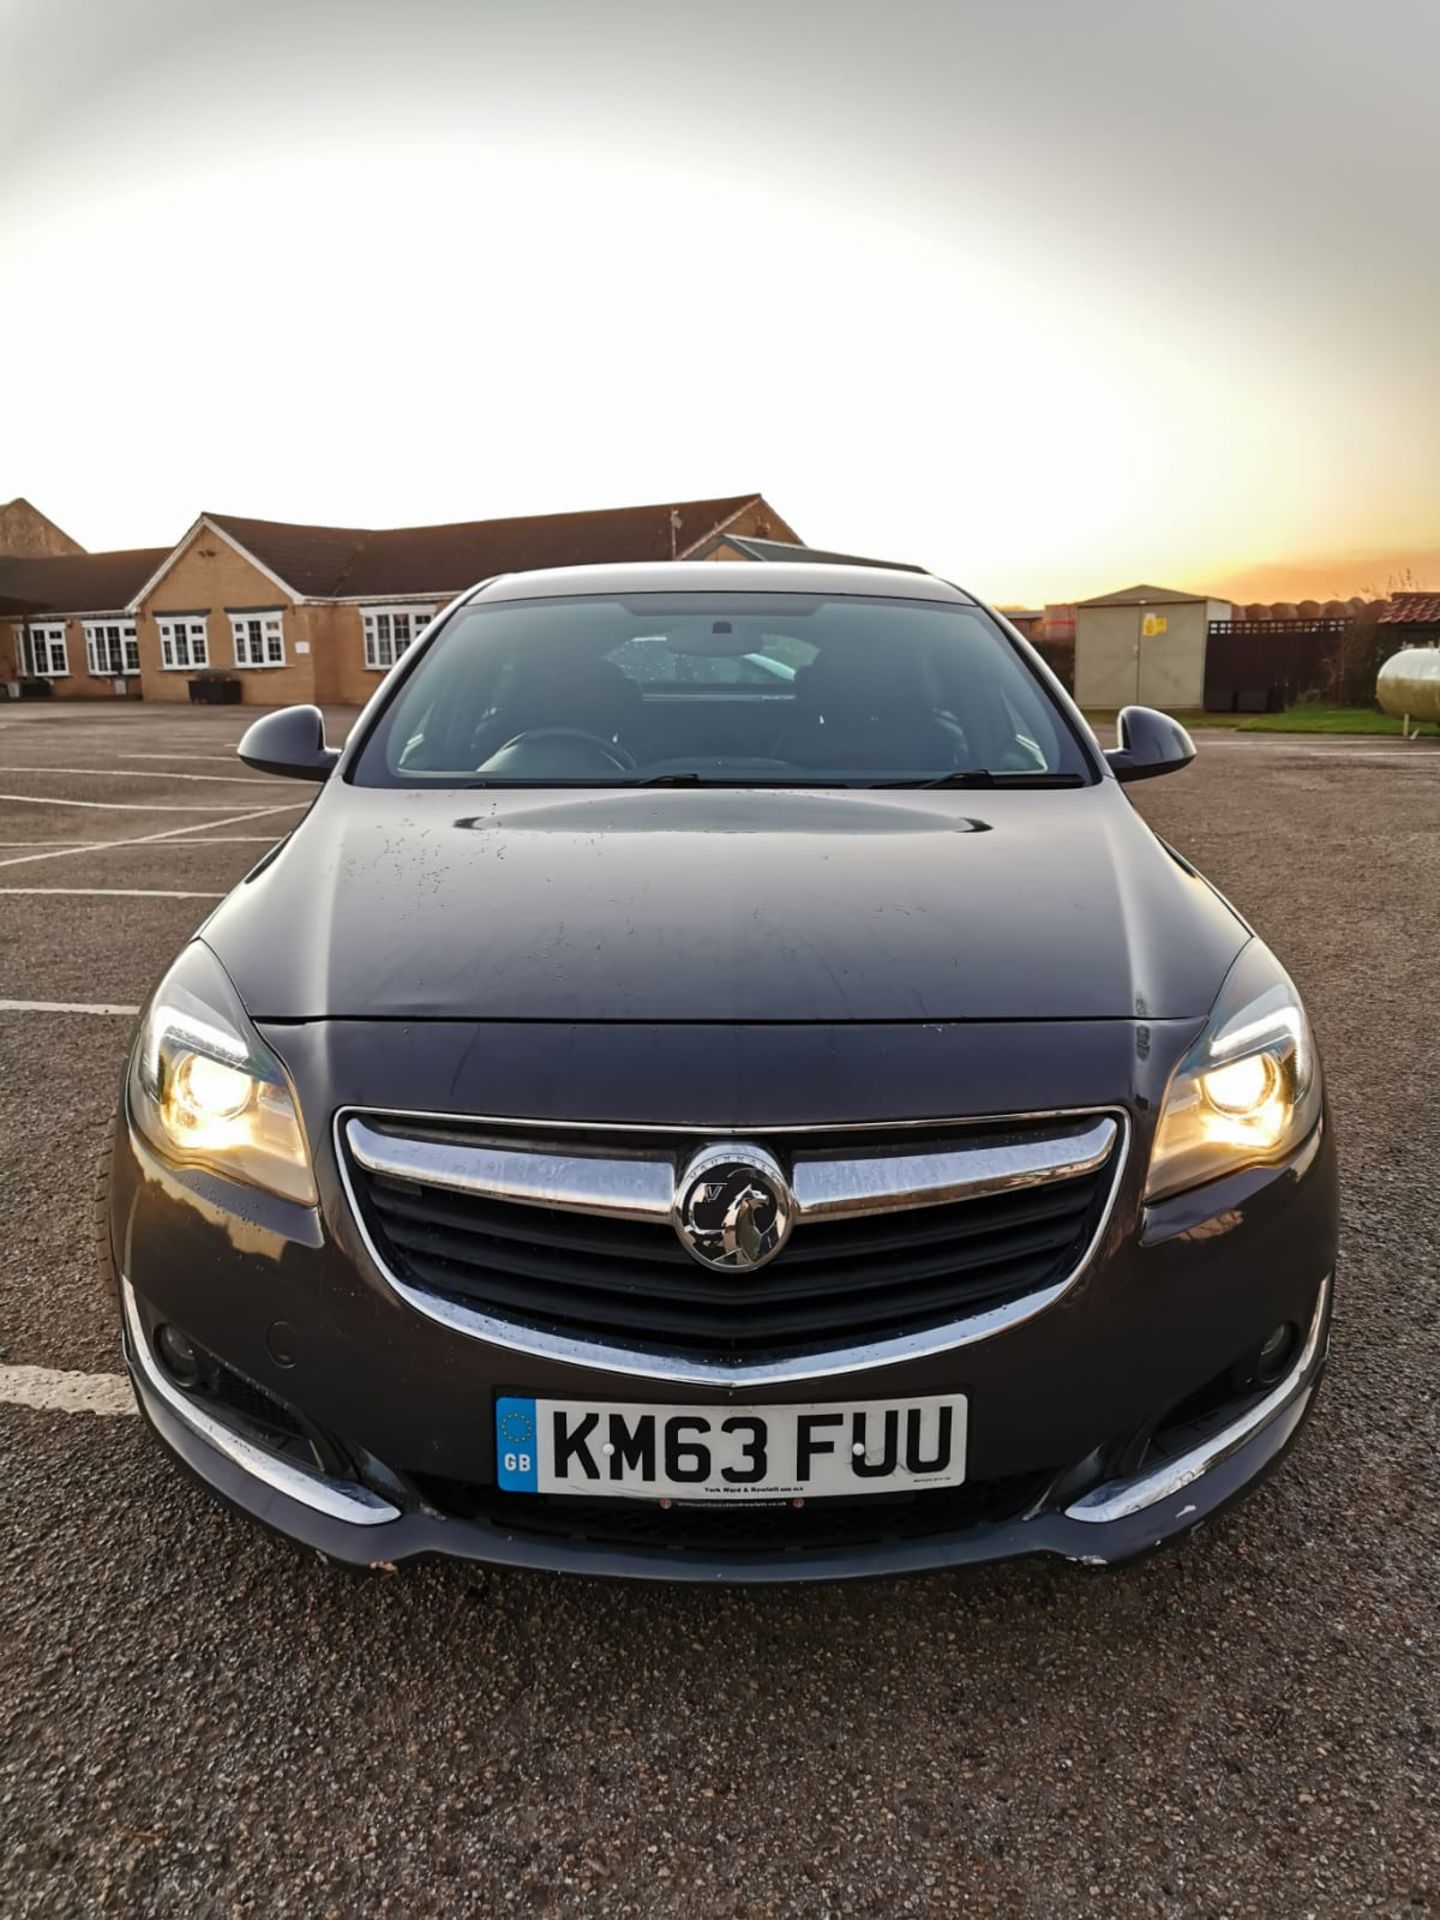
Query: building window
(389,631)
(111,650)
(183,643)
(259,639)
(43,655)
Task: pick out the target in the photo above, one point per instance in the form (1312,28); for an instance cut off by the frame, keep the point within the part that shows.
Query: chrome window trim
(687,1370)
(1119,1499)
(339,1499)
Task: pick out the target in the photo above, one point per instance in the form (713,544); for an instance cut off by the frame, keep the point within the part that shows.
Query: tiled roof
(77,582)
(1412,610)
(351,563)
(309,559)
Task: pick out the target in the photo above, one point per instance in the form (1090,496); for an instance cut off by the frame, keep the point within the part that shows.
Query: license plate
(642,1451)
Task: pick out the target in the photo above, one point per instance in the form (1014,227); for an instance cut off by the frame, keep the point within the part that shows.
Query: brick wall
(210,578)
(338,650)
(349,680)
(24,531)
(79,683)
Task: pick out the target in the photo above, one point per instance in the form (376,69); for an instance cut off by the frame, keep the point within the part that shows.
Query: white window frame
(187,635)
(49,635)
(108,634)
(258,637)
(384,642)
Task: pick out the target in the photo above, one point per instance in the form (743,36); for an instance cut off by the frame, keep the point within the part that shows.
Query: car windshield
(720,688)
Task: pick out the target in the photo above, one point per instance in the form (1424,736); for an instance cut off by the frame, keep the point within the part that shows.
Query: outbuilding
(1411,619)
(1144,646)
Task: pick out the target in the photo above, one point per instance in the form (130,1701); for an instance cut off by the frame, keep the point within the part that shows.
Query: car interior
(634,692)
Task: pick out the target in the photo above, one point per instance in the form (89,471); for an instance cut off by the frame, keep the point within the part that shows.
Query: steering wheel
(602,754)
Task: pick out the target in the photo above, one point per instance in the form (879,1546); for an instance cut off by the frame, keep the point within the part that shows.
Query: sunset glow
(1047,329)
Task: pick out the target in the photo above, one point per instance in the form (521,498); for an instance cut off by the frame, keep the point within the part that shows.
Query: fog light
(1274,1355)
(178,1355)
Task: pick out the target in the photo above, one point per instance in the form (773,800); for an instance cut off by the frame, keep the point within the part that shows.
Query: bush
(1060,660)
(1354,663)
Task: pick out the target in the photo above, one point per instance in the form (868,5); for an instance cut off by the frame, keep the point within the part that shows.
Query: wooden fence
(1260,666)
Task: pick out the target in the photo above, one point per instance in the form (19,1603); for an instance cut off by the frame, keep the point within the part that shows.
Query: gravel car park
(200,1718)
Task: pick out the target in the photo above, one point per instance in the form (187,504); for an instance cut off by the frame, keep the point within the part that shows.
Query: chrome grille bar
(980,1158)
(642,1187)
(828,1189)
(621,1189)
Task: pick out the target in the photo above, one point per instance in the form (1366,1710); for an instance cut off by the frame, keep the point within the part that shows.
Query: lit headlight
(1248,1091)
(207,1091)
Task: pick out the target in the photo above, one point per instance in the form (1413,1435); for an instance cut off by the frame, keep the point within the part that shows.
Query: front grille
(838,1282)
(741,1528)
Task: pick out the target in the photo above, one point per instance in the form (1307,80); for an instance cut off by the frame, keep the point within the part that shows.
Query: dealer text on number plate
(643,1451)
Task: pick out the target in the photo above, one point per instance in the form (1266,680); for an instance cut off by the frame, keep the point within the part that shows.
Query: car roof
(719,576)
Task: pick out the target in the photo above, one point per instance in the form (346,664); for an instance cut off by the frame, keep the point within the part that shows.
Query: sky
(1050,296)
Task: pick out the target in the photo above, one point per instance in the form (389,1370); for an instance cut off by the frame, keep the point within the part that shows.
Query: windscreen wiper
(737,777)
(984,777)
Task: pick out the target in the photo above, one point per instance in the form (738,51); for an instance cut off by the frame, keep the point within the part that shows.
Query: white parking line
(125,893)
(227,758)
(122,806)
(164,833)
(94,846)
(62,1006)
(138,773)
(1369,756)
(1330,747)
(48,1390)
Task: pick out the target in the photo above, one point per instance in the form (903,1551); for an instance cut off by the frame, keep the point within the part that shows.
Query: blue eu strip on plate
(515,1438)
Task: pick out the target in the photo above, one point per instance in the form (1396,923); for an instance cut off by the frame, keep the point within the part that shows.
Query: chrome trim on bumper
(1118,1499)
(644,1186)
(686,1370)
(339,1499)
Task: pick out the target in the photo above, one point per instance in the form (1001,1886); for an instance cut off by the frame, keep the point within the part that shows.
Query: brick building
(298,613)
(67,611)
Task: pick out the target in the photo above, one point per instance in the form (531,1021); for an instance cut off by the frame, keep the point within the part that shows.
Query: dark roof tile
(308,559)
(77,582)
(351,563)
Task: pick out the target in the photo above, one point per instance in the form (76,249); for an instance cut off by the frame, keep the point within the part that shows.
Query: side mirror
(1151,743)
(290,742)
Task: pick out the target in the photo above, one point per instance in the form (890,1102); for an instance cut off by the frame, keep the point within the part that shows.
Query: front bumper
(1064,1406)
(349,1522)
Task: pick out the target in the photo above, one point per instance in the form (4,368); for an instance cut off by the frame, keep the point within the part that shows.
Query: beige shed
(1144,646)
